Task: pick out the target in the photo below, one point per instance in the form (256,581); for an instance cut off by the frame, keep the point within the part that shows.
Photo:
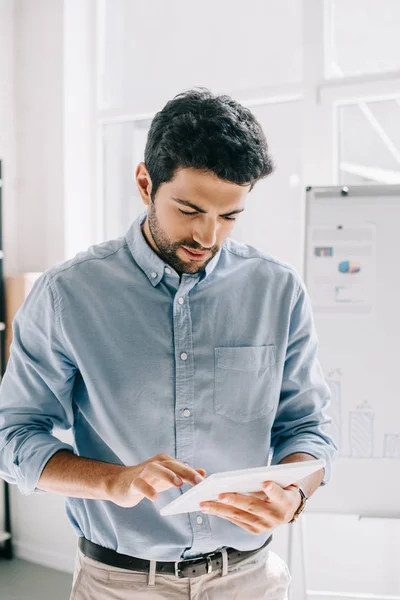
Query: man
(172,352)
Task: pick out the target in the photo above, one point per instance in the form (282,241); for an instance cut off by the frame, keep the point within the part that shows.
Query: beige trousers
(263,576)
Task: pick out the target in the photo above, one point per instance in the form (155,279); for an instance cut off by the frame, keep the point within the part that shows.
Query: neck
(148,237)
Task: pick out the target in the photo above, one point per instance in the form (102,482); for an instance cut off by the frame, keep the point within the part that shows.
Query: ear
(143,182)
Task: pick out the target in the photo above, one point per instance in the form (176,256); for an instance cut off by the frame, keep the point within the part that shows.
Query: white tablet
(242,481)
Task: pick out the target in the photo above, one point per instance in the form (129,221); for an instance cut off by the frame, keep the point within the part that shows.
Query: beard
(167,249)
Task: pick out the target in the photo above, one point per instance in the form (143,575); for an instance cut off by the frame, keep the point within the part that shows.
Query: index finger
(185,472)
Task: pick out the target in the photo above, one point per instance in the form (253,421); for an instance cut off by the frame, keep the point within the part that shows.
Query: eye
(186,213)
(195,213)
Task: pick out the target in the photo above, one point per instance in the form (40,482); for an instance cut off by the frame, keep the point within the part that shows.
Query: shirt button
(181,300)
(154,274)
(184,356)
(167,270)
(186,412)
(199,520)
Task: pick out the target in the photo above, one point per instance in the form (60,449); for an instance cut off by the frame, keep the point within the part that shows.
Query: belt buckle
(177,570)
(209,564)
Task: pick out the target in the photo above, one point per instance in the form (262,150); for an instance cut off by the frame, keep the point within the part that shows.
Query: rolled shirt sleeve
(302,423)
(36,390)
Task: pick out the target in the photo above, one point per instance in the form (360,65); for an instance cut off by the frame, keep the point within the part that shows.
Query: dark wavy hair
(210,133)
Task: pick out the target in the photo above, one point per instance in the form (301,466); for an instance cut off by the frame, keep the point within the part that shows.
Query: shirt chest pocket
(245,382)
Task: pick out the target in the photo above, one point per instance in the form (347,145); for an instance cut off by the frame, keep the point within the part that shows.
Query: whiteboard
(351,269)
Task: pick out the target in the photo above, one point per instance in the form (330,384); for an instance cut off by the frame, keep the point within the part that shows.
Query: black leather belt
(185,568)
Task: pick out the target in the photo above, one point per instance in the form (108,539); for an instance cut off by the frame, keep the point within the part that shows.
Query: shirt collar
(152,265)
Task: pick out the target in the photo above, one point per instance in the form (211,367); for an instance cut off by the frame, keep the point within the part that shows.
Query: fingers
(139,485)
(249,504)
(186,473)
(273,491)
(155,474)
(162,473)
(283,501)
(243,525)
(248,509)
(260,509)
(255,523)
(155,471)
(259,495)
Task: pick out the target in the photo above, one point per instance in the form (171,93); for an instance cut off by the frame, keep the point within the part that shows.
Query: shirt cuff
(327,452)
(32,458)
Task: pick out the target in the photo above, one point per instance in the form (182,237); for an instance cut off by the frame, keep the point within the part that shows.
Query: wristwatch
(301,506)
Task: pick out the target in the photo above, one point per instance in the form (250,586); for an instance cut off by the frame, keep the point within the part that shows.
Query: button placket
(184,374)
(184,404)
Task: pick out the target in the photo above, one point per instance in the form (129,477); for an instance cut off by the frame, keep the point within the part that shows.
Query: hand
(259,511)
(132,484)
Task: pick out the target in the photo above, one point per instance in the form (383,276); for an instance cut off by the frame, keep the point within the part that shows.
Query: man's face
(211,206)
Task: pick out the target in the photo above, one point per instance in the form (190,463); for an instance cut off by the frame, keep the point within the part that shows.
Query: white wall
(41,531)
(31,148)
(7,132)
(79,125)
(39,133)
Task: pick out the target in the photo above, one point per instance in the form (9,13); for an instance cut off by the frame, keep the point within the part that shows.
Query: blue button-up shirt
(214,369)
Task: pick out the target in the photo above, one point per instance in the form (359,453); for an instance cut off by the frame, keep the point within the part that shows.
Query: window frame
(321,97)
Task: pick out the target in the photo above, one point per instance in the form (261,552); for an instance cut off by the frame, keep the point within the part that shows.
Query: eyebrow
(201,210)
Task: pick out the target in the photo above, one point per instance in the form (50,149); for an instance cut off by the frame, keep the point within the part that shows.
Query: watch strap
(301,506)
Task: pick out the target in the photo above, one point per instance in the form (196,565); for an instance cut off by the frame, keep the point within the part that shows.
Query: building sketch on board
(391,445)
(361,433)
(335,411)
(363,438)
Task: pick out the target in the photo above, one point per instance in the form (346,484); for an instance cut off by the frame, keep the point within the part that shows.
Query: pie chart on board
(349,266)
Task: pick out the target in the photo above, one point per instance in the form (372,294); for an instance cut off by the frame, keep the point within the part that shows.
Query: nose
(206,234)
